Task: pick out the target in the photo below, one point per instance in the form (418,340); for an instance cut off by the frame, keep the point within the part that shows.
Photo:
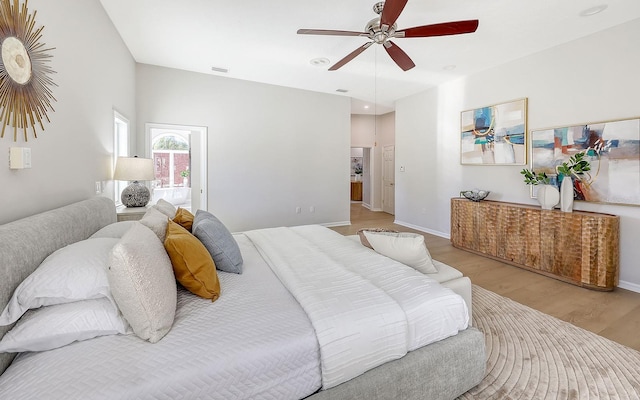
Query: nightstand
(131,213)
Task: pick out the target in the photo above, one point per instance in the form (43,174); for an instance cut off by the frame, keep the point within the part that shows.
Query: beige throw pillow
(407,248)
(156,221)
(142,283)
(166,208)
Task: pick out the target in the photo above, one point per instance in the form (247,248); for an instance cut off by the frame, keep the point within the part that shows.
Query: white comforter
(365,309)
(256,341)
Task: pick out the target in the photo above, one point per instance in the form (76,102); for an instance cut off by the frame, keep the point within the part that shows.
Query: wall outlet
(312,209)
(98,187)
(298,210)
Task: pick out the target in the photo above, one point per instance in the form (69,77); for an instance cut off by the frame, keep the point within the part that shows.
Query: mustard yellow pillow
(184,218)
(192,263)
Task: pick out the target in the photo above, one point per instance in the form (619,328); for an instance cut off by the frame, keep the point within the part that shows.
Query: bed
(261,338)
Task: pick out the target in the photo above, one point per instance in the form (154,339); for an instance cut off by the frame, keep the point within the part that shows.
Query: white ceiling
(257,41)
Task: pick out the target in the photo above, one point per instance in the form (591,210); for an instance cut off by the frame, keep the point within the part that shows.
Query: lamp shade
(134,169)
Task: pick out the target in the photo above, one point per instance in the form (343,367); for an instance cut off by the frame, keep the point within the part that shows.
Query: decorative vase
(548,196)
(566,194)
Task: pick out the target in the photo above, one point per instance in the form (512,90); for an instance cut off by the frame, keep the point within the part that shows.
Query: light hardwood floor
(614,315)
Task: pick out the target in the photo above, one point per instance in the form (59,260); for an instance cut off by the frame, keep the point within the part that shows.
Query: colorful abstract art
(494,135)
(612,149)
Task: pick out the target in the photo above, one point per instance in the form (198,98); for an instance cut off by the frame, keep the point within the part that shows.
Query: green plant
(577,166)
(532,178)
(185,173)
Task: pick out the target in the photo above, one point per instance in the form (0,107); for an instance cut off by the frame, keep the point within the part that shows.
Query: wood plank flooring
(614,315)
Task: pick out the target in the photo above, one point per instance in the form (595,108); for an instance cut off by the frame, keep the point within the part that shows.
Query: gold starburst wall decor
(25,73)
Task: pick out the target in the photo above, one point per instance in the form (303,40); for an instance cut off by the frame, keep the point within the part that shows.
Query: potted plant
(576,168)
(548,195)
(185,177)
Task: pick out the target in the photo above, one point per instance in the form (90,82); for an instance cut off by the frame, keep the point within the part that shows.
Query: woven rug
(531,355)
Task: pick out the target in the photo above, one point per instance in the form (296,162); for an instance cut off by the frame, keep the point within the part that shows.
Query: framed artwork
(494,135)
(612,149)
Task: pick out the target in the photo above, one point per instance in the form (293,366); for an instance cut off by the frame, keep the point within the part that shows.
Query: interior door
(388,179)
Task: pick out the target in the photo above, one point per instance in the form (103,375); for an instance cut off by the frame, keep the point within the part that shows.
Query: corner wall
(94,74)
(591,79)
(270,148)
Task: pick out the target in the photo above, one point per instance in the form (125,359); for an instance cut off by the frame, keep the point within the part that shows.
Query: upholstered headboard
(25,243)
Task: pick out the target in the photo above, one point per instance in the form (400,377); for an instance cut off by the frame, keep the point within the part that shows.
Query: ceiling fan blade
(391,12)
(399,56)
(446,28)
(350,57)
(330,32)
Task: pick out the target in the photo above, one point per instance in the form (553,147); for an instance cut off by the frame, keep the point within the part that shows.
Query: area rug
(531,355)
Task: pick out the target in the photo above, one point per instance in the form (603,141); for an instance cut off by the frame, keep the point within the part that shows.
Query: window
(120,149)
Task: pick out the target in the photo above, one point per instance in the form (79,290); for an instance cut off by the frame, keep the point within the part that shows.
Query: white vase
(548,196)
(566,194)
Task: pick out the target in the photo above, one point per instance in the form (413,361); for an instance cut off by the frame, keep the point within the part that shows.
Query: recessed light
(319,62)
(218,69)
(366,107)
(449,67)
(593,10)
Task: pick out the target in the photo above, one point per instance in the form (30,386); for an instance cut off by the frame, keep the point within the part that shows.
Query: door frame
(385,201)
(198,146)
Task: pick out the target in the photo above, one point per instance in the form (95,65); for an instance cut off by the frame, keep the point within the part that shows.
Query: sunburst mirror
(25,73)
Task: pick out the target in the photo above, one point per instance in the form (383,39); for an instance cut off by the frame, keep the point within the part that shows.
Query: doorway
(179,157)
(388,180)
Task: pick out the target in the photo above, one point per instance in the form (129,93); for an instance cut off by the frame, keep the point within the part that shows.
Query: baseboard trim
(423,229)
(332,224)
(634,287)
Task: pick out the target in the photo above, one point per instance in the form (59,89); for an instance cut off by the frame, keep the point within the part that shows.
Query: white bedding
(383,308)
(255,341)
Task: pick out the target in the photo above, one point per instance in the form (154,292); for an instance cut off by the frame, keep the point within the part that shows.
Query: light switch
(19,157)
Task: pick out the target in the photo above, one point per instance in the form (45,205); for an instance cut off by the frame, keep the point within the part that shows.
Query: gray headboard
(25,243)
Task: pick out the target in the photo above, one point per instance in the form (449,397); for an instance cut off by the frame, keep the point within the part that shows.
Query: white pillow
(156,221)
(166,208)
(55,326)
(407,248)
(115,230)
(143,284)
(72,273)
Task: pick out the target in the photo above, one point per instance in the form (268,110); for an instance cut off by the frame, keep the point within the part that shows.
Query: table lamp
(134,169)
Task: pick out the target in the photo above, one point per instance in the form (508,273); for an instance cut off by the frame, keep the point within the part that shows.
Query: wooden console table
(578,247)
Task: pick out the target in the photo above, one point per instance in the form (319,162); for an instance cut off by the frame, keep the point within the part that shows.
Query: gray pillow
(219,242)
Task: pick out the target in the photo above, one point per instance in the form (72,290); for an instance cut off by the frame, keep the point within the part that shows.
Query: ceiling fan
(382,29)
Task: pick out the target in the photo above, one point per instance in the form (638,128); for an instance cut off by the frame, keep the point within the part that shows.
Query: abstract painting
(612,149)
(494,135)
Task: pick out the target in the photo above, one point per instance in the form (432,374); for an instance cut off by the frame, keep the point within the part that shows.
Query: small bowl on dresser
(475,194)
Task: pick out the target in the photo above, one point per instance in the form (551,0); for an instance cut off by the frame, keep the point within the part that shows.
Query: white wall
(374,132)
(591,79)
(95,74)
(270,149)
